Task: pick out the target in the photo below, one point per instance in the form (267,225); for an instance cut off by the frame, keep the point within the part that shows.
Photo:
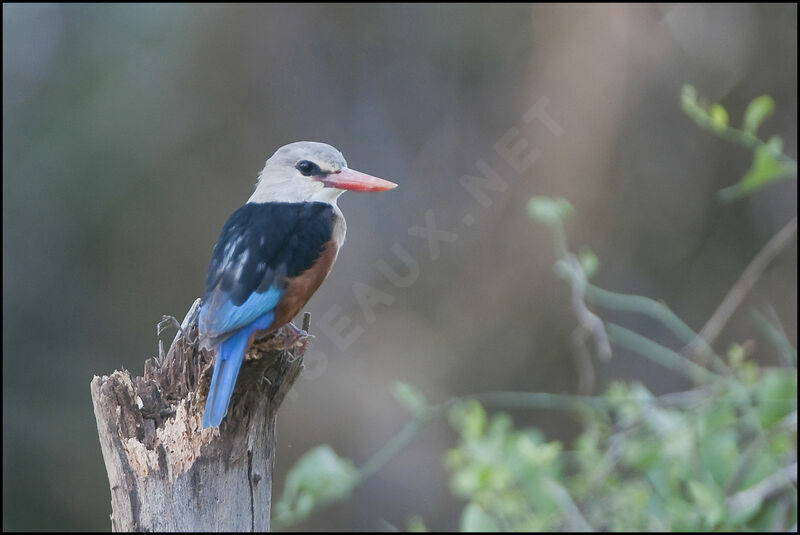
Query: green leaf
(690,105)
(780,445)
(319,476)
(454,459)
(589,262)
(475,519)
(707,501)
(468,481)
(719,117)
(776,395)
(765,170)
(416,525)
(538,454)
(757,112)
(748,372)
(719,450)
(410,398)
(500,426)
(688,96)
(469,418)
(736,355)
(641,454)
(549,210)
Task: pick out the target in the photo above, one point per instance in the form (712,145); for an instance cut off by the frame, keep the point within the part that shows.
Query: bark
(168,474)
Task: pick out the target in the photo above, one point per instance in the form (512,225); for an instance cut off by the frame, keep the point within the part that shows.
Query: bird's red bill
(352,180)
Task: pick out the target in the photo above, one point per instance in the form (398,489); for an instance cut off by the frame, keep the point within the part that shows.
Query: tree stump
(167,473)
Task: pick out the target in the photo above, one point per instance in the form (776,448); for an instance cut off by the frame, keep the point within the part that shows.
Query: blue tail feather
(226,368)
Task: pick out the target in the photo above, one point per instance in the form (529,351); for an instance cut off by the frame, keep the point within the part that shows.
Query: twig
(641,305)
(394,446)
(569,267)
(739,290)
(789,422)
(773,331)
(660,354)
(573,515)
(183,329)
(764,489)
(583,361)
(616,444)
(387,526)
(689,397)
(167,321)
(781,515)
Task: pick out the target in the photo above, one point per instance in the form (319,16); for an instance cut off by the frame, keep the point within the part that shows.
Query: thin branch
(570,268)
(183,328)
(774,333)
(781,514)
(616,446)
(660,354)
(575,519)
(739,290)
(766,488)
(583,361)
(394,446)
(641,305)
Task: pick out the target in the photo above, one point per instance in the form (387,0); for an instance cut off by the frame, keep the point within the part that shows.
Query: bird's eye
(308,168)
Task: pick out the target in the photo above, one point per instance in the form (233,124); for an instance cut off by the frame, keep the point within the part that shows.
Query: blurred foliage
(719,456)
(319,476)
(681,461)
(769,161)
(646,464)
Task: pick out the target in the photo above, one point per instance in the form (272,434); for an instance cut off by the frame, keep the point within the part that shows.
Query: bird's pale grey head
(307,171)
(324,157)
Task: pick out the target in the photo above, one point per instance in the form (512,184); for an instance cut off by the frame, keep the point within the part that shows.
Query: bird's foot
(295,332)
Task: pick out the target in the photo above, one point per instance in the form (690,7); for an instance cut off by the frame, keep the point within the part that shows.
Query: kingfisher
(272,255)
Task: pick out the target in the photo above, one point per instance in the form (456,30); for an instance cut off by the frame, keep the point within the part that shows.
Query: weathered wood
(168,474)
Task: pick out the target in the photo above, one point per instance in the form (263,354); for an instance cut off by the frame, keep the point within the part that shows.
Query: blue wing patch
(216,320)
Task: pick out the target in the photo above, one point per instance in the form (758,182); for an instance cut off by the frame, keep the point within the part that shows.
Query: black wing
(260,245)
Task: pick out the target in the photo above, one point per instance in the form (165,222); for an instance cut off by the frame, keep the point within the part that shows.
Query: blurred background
(131,133)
